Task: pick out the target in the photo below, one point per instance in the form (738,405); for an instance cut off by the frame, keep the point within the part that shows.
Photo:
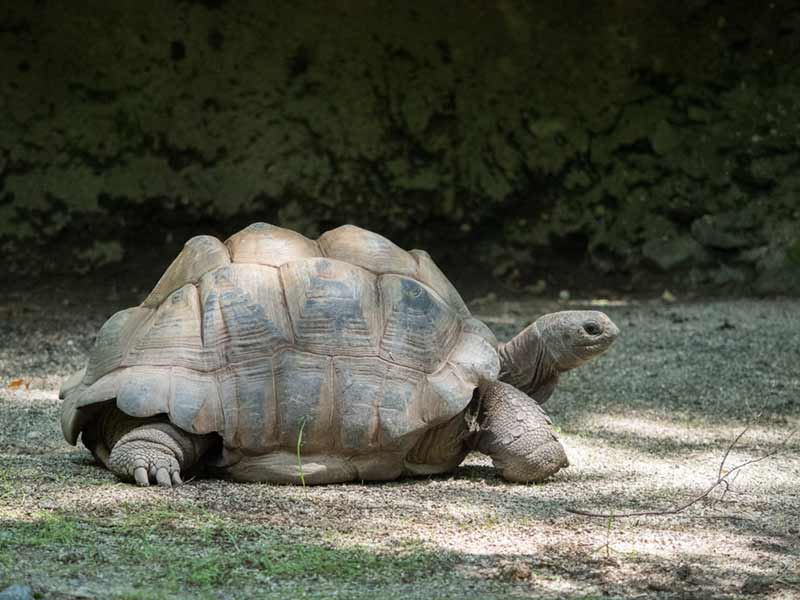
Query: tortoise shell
(356,341)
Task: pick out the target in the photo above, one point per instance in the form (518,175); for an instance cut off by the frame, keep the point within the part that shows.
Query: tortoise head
(554,343)
(572,337)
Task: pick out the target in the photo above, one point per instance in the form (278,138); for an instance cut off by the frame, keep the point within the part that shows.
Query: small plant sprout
(607,546)
(299,458)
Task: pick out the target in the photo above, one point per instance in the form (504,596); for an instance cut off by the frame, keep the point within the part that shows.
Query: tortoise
(274,357)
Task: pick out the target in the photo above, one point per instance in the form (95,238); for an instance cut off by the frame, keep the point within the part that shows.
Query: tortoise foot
(148,455)
(518,435)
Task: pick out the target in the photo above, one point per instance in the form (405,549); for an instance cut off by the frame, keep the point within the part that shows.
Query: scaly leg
(518,435)
(147,450)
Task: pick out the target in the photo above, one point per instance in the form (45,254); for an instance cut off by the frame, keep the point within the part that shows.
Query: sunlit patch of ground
(645,427)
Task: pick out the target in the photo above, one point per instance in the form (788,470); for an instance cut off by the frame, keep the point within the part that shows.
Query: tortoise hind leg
(518,435)
(146,450)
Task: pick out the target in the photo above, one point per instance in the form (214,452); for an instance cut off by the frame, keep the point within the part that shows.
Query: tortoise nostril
(592,328)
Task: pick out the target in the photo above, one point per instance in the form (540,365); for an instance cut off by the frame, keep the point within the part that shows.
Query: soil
(646,427)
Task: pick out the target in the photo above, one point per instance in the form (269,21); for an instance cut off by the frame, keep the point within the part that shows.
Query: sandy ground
(645,427)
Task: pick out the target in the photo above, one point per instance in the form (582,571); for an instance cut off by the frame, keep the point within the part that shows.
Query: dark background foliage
(621,143)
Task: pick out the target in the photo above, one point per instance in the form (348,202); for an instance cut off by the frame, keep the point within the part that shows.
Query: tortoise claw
(162,478)
(140,475)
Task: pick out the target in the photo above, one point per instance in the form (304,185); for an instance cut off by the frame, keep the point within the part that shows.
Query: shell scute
(448,392)
(265,244)
(191,399)
(358,388)
(476,358)
(305,400)
(400,413)
(144,391)
(172,337)
(430,274)
(112,342)
(420,328)
(333,307)
(250,405)
(194,402)
(244,314)
(200,255)
(479,328)
(377,403)
(367,249)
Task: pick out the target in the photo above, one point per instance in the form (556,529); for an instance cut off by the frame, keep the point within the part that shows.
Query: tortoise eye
(592,328)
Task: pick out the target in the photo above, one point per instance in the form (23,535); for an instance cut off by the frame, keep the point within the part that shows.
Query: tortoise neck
(525,362)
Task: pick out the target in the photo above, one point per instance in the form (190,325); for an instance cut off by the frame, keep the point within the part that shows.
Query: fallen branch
(722,480)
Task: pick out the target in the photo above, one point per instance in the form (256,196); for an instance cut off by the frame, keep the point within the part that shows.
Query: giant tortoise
(273,357)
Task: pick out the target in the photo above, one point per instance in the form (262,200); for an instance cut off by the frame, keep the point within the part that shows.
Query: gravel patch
(645,427)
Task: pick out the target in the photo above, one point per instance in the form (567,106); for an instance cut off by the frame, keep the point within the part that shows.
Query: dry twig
(723,479)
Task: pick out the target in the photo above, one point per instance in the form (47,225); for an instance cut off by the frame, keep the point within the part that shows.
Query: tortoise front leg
(147,450)
(518,435)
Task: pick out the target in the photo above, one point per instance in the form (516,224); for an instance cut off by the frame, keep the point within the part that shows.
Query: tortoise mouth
(595,346)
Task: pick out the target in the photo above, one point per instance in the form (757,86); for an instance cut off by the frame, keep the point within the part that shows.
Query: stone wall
(639,136)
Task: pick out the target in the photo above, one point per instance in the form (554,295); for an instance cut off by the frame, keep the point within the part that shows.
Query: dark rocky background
(622,145)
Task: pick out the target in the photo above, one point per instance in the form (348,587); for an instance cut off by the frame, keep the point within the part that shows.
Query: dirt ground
(645,427)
